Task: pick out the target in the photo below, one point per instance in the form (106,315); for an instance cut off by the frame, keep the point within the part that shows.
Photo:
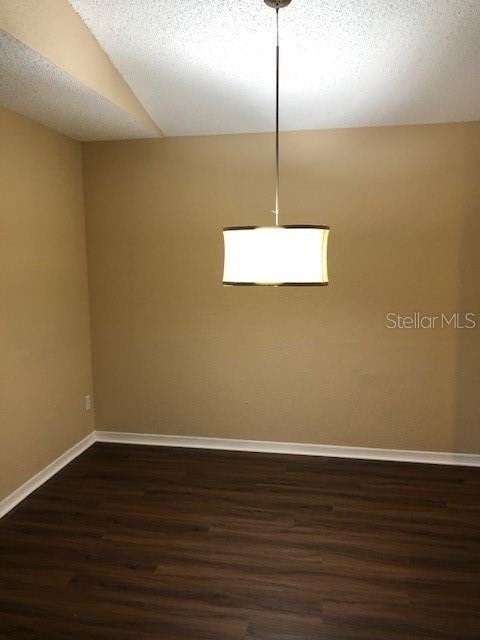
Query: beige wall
(176,353)
(44,328)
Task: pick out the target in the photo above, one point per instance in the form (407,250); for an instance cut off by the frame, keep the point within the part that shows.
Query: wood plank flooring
(149,543)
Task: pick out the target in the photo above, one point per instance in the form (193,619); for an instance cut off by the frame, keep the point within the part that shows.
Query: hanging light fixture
(294,254)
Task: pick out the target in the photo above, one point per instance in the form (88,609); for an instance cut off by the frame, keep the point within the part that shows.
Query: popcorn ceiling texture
(207,66)
(34,87)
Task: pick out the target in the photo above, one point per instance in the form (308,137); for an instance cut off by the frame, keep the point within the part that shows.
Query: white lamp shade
(276,256)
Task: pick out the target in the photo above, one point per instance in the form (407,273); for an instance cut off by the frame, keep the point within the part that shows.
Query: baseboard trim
(11,501)
(294,448)
(232,444)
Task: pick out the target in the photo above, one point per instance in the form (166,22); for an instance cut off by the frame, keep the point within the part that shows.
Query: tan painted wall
(45,367)
(176,353)
(56,31)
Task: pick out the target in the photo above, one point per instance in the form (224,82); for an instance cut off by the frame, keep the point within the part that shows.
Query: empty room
(239,320)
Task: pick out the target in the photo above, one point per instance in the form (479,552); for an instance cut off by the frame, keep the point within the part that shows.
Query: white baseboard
(232,444)
(42,476)
(296,448)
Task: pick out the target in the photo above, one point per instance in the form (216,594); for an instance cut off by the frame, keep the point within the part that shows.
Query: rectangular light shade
(277,256)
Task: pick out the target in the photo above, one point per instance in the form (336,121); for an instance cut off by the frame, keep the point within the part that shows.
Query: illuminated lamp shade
(294,255)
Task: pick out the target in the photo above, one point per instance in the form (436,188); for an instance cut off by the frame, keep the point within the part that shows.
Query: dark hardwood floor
(149,543)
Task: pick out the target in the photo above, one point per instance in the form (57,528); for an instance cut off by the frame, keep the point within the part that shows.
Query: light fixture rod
(277,5)
(277,145)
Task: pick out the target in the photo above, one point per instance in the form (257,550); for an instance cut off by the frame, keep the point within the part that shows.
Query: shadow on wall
(467,396)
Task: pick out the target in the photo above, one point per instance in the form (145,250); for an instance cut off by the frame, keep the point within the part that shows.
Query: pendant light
(288,255)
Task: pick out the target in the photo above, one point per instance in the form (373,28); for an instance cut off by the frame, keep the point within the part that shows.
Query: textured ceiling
(207,66)
(35,87)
